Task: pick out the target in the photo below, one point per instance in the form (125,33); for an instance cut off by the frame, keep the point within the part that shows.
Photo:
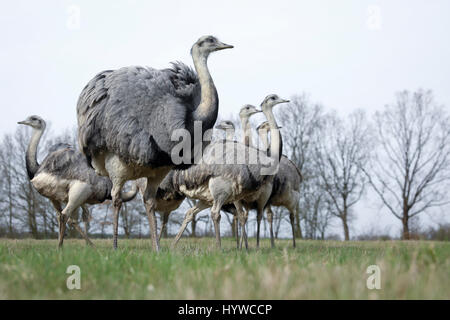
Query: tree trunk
(405,221)
(345,224)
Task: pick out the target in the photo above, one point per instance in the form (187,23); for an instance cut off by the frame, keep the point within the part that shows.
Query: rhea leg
(58,208)
(215,216)
(150,205)
(117,204)
(190,215)
(79,193)
(244,236)
(269,213)
(258,226)
(236,227)
(165,218)
(292,220)
(221,190)
(86,218)
(261,204)
(242,215)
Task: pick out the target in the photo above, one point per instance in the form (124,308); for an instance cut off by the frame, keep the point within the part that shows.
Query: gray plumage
(166,192)
(285,186)
(229,172)
(287,178)
(126,119)
(65,176)
(66,163)
(216,164)
(132,112)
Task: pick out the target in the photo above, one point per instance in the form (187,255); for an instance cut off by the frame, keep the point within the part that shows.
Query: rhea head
(272,100)
(248,110)
(207,44)
(35,122)
(225,125)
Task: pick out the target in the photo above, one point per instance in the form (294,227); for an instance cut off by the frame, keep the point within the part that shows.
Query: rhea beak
(23,122)
(222,46)
(280,101)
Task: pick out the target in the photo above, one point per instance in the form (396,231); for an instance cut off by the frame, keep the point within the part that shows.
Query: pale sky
(344,54)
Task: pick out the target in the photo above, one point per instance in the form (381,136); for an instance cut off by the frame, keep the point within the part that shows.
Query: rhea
(126,119)
(64,176)
(228,127)
(221,179)
(286,186)
(244,115)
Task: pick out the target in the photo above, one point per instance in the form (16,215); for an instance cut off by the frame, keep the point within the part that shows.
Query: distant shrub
(441,233)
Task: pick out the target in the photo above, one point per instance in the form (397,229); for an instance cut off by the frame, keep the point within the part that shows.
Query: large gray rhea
(126,118)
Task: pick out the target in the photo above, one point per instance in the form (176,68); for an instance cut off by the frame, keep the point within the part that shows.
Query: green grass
(35,269)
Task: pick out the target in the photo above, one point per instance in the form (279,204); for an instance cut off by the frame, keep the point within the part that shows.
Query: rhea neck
(207,109)
(229,134)
(247,131)
(276,144)
(31,155)
(264,139)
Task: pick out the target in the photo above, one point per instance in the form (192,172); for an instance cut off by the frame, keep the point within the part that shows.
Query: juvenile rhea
(285,188)
(64,176)
(219,179)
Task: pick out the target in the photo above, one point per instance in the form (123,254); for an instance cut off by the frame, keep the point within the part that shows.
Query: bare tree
(301,122)
(411,169)
(317,206)
(8,165)
(341,155)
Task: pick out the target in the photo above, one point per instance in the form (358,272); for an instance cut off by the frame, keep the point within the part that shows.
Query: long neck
(31,155)
(229,134)
(208,107)
(276,144)
(247,131)
(264,139)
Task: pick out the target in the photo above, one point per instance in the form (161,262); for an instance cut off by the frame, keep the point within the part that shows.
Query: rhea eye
(210,40)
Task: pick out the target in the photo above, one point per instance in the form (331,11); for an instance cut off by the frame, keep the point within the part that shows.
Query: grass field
(35,269)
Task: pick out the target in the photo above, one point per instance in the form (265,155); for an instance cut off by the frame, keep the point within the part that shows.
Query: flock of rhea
(126,119)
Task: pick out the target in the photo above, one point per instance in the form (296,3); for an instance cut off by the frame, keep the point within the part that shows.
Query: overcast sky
(344,54)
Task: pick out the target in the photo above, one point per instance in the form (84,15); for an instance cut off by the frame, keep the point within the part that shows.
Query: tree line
(401,155)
